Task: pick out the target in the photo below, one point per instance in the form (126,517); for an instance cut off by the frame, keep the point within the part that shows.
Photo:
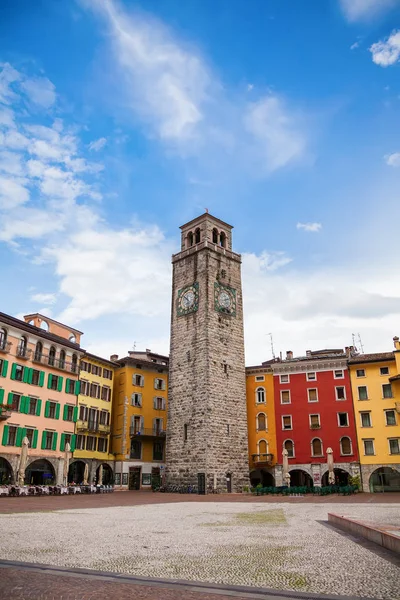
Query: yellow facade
(261,424)
(140,419)
(376,400)
(93,426)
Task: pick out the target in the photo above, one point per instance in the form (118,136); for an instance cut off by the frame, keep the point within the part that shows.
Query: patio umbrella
(331,476)
(66,463)
(100,481)
(22,461)
(285,467)
(86,474)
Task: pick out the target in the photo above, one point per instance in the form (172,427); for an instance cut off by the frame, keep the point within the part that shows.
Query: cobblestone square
(282,546)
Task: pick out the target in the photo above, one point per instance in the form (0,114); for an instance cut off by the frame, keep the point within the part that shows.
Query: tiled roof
(375,357)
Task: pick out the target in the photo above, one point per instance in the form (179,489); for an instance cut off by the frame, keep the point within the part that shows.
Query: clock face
(188,299)
(225,299)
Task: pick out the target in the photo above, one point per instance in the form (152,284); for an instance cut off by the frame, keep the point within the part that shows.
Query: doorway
(229,483)
(134,478)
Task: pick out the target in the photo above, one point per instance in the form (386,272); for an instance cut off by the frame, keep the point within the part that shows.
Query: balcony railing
(262,459)
(5,412)
(57,363)
(315,426)
(152,432)
(103,428)
(24,352)
(5,346)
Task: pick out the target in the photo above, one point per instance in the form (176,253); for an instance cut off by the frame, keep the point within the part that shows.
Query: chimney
(349,350)
(289,355)
(148,350)
(308,353)
(114,357)
(396,342)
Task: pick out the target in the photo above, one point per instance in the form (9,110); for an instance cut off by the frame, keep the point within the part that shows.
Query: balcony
(315,426)
(151,432)
(262,460)
(103,428)
(56,363)
(24,353)
(5,412)
(5,346)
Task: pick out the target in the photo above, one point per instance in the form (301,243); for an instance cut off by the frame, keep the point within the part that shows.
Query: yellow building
(93,426)
(261,424)
(140,419)
(373,381)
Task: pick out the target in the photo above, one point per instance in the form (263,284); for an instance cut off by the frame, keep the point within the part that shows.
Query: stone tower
(207,424)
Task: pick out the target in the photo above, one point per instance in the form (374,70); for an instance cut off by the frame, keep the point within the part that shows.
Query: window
(360,373)
(387,390)
(96,370)
(343,419)
(289,446)
(32,407)
(338,374)
(185,432)
(340,393)
(287,422)
(285,396)
(102,445)
(68,412)
(48,443)
(15,403)
(159,403)
(12,434)
(80,442)
(312,395)
(261,422)
(158,451)
(70,386)
(136,450)
(38,352)
(284,378)
(365,419)
(262,447)
(107,373)
(52,408)
(74,364)
(197,236)
(22,347)
(136,400)
(91,443)
(94,390)
(315,422)
(138,380)
(311,376)
(3,367)
(85,387)
(394,447)
(190,239)
(3,338)
(52,356)
(345,446)
(54,382)
(106,393)
(104,418)
(384,370)
(222,239)
(85,366)
(369,449)
(36,377)
(260,395)
(159,384)
(157,426)
(61,361)
(316,447)
(18,372)
(29,434)
(83,412)
(390,417)
(260,378)
(215,236)
(362,392)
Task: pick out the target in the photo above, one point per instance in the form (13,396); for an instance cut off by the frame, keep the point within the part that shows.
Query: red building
(314,412)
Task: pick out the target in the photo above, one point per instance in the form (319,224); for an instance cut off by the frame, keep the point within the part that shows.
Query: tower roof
(207,216)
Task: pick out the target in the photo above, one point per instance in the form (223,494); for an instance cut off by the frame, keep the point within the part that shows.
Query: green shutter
(75,414)
(65,408)
(55,436)
(4,368)
(5,435)
(60,382)
(10,398)
(1,396)
(47,408)
(13,370)
(73,437)
(30,376)
(62,442)
(44,437)
(38,407)
(24,405)
(77,388)
(25,376)
(34,439)
(66,385)
(19,436)
(57,411)
(49,379)
(41,379)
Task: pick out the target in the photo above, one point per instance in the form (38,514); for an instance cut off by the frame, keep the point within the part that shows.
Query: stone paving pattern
(280,545)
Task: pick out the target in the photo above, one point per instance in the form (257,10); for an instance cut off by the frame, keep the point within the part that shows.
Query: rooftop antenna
(134,346)
(353,336)
(272,345)
(361,344)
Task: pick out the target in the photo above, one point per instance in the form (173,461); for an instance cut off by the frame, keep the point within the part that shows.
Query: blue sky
(121,121)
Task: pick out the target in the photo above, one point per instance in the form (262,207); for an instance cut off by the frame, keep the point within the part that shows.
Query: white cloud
(355,10)
(97,145)
(11,162)
(355,45)
(8,76)
(393,160)
(40,91)
(274,128)
(44,298)
(386,53)
(311,227)
(13,193)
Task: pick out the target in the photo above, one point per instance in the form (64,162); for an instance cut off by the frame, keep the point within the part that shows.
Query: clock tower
(207,423)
